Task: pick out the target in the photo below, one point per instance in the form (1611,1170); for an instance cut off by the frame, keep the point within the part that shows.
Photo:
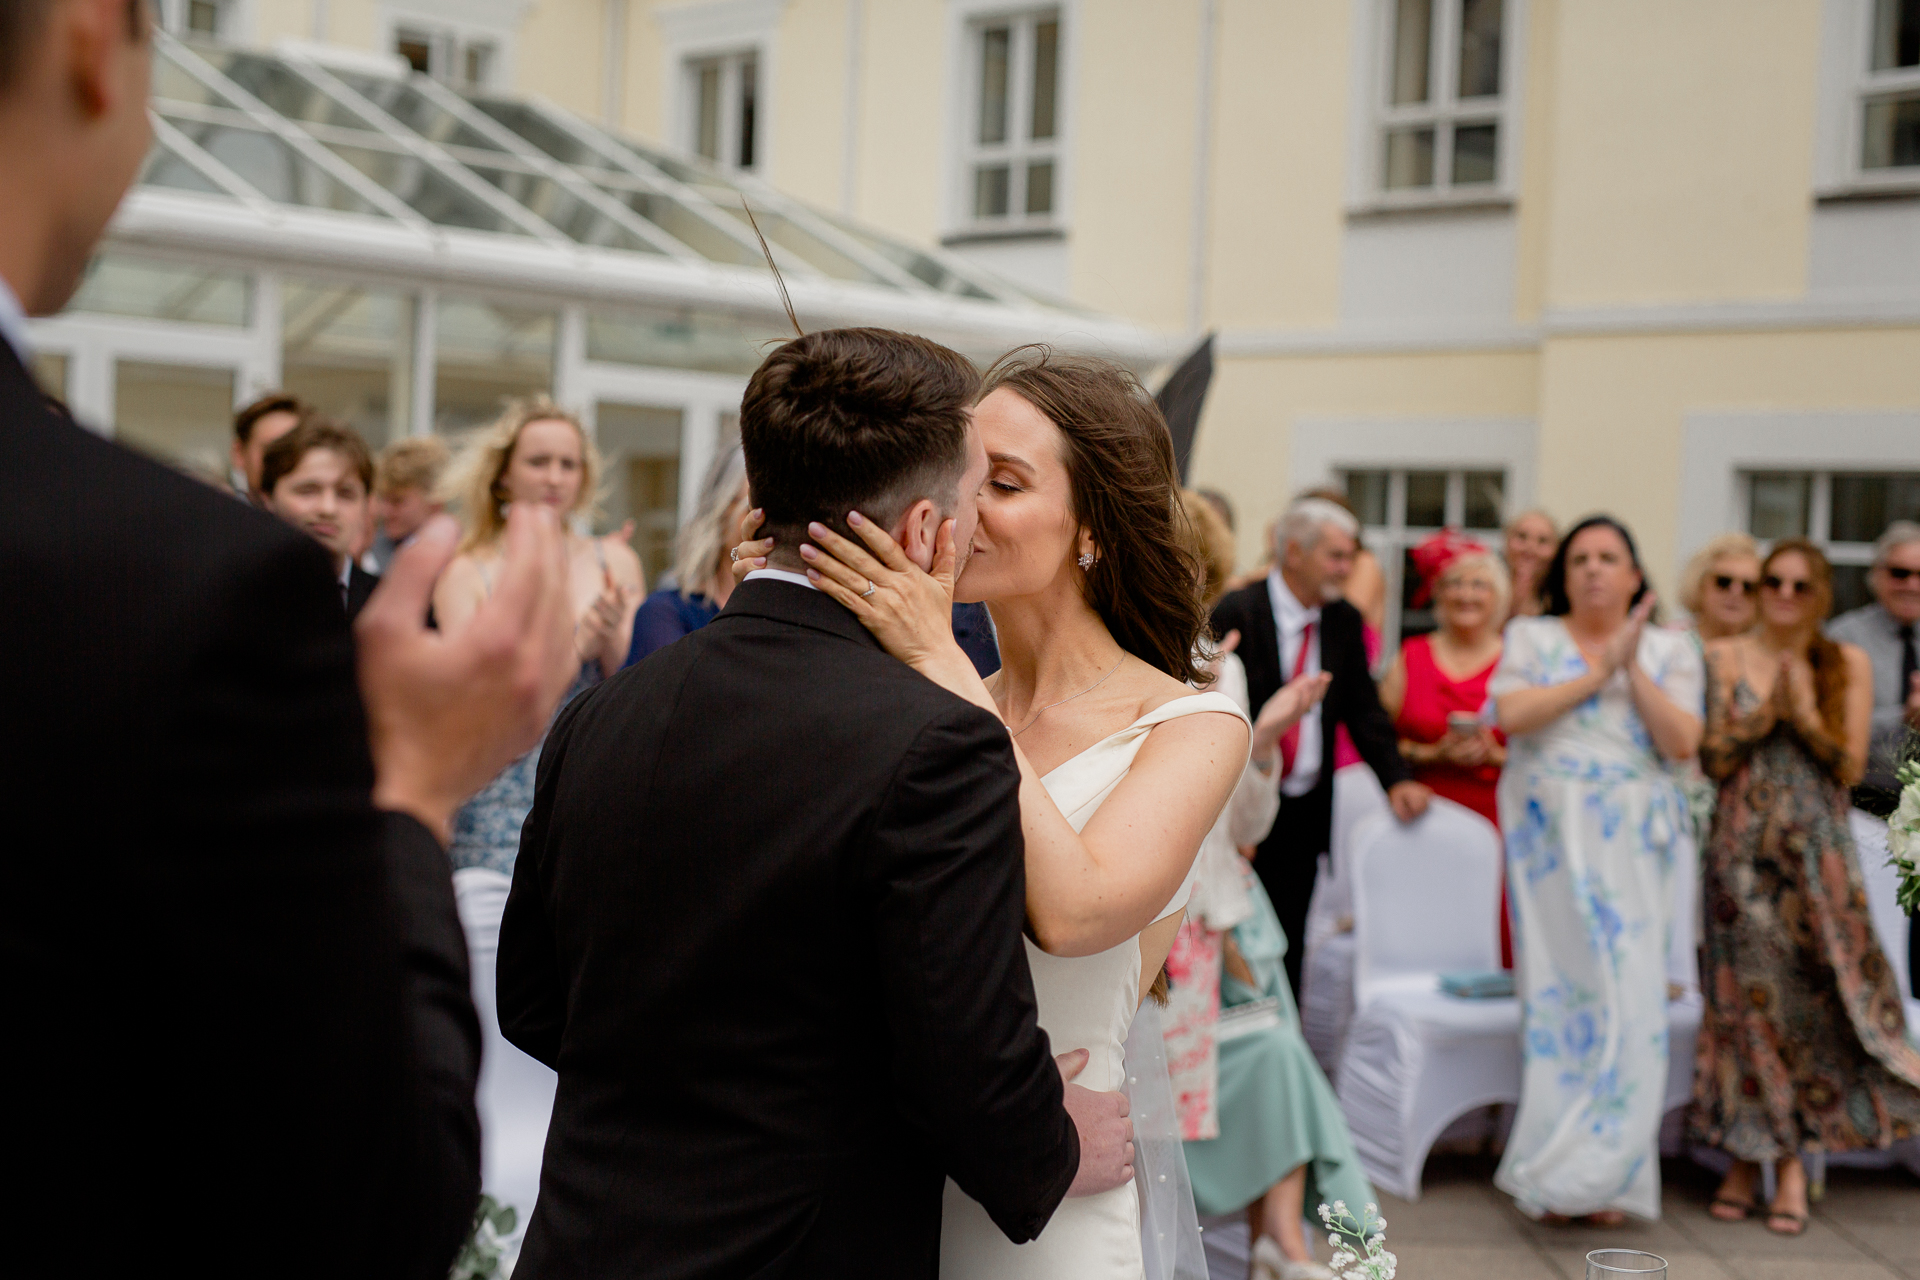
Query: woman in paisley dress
(1803,1042)
(1597,706)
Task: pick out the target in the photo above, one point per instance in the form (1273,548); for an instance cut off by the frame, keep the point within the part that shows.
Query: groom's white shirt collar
(782,575)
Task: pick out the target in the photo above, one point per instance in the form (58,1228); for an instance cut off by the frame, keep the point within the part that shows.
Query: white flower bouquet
(1348,1236)
(1903,836)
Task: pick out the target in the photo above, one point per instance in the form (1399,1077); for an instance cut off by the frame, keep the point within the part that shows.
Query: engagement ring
(872,587)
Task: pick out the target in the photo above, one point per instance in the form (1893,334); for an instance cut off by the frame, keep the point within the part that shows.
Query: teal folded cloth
(1490,984)
(1277,1111)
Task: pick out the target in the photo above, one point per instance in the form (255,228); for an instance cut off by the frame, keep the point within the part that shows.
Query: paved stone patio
(1867,1228)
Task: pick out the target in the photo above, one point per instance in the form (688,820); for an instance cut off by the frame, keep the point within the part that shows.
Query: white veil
(1169,1225)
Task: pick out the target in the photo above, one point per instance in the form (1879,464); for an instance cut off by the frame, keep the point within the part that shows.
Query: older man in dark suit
(241,1029)
(1294,623)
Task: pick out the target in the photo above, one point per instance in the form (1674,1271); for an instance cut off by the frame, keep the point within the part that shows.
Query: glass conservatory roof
(293,130)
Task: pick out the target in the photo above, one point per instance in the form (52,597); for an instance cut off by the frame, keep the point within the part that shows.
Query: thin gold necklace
(1070,697)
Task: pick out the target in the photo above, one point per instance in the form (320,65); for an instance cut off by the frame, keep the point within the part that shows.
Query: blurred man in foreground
(241,1030)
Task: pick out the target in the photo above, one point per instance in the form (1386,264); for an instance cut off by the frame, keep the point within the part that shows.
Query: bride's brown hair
(1124,488)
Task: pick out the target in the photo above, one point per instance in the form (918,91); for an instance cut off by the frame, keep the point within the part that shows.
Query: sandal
(1742,1209)
(1799,1221)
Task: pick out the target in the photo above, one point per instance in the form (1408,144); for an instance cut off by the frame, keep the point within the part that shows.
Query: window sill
(1002,235)
(1904,188)
(1427,205)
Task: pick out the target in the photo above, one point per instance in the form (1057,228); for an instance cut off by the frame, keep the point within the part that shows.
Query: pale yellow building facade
(1462,257)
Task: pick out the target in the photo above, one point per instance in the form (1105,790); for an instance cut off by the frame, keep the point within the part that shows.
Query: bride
(1084,561)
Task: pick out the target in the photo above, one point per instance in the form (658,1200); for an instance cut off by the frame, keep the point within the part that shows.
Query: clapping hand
(1795,699)
(601,620)
(1624,647)
(446,713)
(1283,710)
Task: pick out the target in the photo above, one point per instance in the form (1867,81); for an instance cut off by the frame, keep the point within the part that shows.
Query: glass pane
(203,17)
(165,169)
(1896,34)
(488,353)
(283,91)
(1486,498)
(417,50)
(640,447)
(414,109)
(150,290)
(922,266)
(749,109)
(1046,74)
(804,244)
(686,226)
(706,131)
(1777,505)
(347,351)
(1426,499)
(1890,136)
(180,414)
(275,169)
(1850,589)
(479,61)
(1367,491)
(1040,187)
(994,46)
(1475,154)
(171,82)
(579,220)
(50,372)
(990,192)
(541,133)
(683,338)
(1409,158)
(1864,505)
(1480,48)
(430,193)
(1412,46)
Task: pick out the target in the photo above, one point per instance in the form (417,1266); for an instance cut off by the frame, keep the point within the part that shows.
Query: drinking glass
(1617,1264)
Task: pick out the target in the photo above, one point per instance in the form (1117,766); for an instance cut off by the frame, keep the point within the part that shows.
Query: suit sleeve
(348,911)
(528,983)
(972,1068)
(1358,708)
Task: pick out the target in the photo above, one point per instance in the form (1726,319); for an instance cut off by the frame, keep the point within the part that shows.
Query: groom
(766,916)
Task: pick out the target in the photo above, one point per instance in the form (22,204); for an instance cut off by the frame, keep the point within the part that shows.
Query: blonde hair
(1213,542)
(472,482)
(1481,562)
(413,463)
(705,536)
(1693,584)
(1553,527)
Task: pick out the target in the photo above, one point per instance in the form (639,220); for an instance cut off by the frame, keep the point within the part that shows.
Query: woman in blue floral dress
(1598,707)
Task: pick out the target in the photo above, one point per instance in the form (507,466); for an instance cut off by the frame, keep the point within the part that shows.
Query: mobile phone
(1461,724)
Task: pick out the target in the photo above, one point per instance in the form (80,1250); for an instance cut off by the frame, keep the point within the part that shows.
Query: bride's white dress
(1087,1002)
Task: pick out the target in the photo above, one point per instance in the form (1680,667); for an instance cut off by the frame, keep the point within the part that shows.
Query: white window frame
(1325,450)
(966,19)
(1847,83)
(727,127)
(451,28)
(725,29)
(1367,191)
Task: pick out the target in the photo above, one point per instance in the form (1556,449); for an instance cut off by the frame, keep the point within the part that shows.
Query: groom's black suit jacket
(236,994)
(766,924)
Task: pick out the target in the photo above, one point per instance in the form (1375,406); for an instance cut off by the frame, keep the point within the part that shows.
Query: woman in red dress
(1436,691)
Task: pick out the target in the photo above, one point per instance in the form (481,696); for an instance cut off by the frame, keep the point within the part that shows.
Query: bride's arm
(1087,890)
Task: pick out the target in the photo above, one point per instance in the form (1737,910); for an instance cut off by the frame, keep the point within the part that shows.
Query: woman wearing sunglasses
(1803,1041)
(1720,591)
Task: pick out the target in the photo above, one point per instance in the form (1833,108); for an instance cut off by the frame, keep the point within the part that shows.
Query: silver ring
(872,587)
(733,554)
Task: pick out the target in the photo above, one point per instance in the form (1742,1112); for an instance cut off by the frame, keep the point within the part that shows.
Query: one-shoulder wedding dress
(1086,1002)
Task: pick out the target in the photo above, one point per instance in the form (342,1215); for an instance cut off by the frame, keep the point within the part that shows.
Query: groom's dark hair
(854,419)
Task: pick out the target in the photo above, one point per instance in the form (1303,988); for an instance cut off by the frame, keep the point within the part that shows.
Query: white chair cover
(516,1092)
(1426,897)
